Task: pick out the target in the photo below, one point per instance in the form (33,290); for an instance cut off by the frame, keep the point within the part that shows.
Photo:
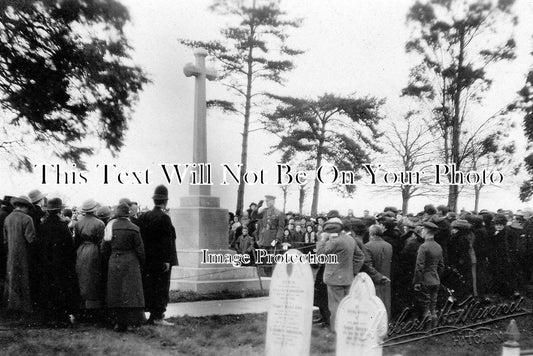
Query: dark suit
(159,238)
(338,276)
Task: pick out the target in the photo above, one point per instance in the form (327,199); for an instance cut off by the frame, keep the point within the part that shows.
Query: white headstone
(361,321)
(290,312)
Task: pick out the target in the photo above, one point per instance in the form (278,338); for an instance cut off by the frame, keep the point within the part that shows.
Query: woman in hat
(19,234)
(124,292)
(88,234)
(59,287)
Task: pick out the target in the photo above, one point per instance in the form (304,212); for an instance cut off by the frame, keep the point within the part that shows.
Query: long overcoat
(381,255)
(89,232)
(19,233)
(59,283)
(126,256)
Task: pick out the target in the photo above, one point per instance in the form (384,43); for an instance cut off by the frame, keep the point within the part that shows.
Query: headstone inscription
(290,311)
(361,321)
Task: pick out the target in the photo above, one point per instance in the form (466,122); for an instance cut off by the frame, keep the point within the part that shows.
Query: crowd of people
(111,265)
(97,263)
(438,253)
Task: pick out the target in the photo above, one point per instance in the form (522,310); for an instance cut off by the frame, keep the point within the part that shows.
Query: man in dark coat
(59,284)
(503,257)
(381,252)
(159,238)
(37,215)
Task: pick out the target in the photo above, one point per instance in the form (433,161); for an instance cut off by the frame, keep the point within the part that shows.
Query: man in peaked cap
(159,238)
(337,276)
(429,266)
(271,227)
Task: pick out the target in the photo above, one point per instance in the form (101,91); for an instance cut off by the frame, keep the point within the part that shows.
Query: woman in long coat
(59,286)
(124,296)
(88,234)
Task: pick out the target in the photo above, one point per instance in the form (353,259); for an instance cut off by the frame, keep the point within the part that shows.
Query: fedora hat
(35,196)
(54,204)
(22,200)
(89,206)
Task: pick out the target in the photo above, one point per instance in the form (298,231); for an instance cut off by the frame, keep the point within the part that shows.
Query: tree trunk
(285,199)
(316,187)
(405,200)
(246,128)
(453,193)
(301,199)
(477,190)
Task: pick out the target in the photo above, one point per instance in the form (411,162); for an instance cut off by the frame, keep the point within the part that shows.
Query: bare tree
(410,149)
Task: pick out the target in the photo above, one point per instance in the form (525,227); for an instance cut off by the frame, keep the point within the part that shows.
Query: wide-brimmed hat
(22,200)
(103,212)
(54,204)
(122,210)
(333,225)
(89,206)
(160,193)
(35,196)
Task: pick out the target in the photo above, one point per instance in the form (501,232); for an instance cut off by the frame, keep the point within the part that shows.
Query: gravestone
(361,321)
(200,223)
(290,312)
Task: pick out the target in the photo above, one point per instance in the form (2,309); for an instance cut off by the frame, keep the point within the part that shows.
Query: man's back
(343,246)
(429,264)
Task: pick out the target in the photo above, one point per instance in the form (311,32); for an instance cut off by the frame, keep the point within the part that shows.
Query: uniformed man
(271,225)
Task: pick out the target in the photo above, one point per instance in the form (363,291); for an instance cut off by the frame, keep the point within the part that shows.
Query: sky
(350,46)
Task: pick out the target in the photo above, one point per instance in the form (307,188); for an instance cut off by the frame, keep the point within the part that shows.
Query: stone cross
(200,126)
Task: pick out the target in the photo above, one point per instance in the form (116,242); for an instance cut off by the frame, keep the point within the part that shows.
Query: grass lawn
(176,296)
(214,335)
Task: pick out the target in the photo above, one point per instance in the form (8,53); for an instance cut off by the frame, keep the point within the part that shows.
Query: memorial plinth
(200,223)
(200,227)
